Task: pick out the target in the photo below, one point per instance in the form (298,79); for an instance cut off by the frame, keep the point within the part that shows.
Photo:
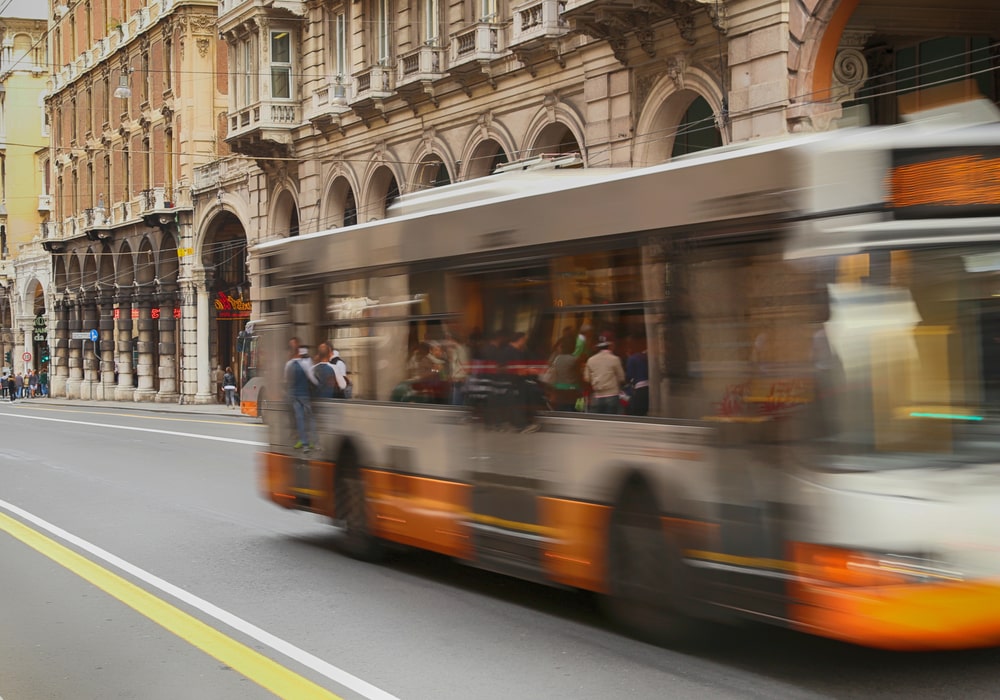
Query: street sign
(26,357)
(81,335)
(93,335)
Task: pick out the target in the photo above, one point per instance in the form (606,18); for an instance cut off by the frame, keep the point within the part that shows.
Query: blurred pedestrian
(229,386)
(300,381)
(43,381)
(605,374)
(11,387)
(19,385)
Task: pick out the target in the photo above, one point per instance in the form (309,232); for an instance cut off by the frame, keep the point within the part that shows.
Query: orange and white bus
(820,326)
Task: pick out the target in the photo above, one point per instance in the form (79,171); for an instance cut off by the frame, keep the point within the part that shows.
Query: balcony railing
(538,20)
(375,83)
(154,199)
(49,230)
(330,100)
(424,63)
(483,41)
(264,115)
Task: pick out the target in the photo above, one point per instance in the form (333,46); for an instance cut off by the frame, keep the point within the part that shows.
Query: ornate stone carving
(850,71)
(203,43)
(676,66)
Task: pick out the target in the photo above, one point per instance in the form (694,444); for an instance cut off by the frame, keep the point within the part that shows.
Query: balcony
(233,12)
(372,87)
(264,128)
(538,28)
(472,51)
(615,20)
(216,175)
(417,71)
(329,103)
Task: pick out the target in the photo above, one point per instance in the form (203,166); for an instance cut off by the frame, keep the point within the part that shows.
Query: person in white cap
(606,376)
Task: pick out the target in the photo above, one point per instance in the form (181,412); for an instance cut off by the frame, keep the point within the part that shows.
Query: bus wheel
(646,591)
(351,510)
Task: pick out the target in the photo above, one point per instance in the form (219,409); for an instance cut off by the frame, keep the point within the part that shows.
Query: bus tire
(351,510)
(646,588)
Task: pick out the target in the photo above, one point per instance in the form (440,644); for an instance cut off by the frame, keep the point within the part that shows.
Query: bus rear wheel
(351,510)
(646,590)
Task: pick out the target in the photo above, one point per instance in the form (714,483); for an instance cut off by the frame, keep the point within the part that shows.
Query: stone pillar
(88,348)
(59,345)
(146,391)
(125,390)
(75,361)
(167,328)
(105,391)
(206,392)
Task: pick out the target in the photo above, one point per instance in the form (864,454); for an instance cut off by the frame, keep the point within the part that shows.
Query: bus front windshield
(912,372)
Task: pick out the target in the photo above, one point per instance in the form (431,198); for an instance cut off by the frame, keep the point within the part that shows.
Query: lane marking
(175,433)
(143,416)
(258,668)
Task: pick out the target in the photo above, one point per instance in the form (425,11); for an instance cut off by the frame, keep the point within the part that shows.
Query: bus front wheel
(351,509)
(646,588)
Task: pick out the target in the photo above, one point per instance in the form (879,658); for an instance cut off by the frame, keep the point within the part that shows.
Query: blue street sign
(93,335)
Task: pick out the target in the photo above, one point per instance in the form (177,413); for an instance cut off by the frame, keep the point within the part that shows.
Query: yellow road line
(263,671)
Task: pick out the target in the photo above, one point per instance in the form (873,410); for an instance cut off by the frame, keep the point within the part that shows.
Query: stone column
(88,349)
(75,362)
(146,390)
(59,345)
(206,392)
(105,391)
(167,327)
(124,391)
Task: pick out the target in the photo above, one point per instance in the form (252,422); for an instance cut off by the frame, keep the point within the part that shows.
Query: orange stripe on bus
(577,554)
(420,512)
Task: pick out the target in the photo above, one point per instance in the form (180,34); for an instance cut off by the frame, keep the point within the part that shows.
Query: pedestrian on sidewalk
(43,382)
(19,385)
(11,387)
(33,384)
(229,386)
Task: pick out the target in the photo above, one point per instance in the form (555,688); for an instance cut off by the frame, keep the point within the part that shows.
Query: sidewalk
(211,409)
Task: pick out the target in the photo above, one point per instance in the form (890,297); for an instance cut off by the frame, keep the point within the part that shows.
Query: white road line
(215,438)
(326,669)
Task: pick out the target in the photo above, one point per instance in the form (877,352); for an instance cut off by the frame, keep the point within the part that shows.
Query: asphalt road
(137,560)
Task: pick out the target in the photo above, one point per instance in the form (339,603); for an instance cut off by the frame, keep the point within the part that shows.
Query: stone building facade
(24,194)
(134,107)
(261,119)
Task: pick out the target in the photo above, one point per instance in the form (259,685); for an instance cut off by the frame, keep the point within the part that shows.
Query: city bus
(251,379)
(819,320)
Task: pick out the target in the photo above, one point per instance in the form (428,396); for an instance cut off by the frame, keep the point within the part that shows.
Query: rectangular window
(488,10)
(340,67)
(431,11)
(383,31)
(247,92)
(281,65)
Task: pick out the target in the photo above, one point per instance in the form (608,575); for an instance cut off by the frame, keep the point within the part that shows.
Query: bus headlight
(846,567)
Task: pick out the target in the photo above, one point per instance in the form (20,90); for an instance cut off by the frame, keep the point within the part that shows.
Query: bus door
(507,458)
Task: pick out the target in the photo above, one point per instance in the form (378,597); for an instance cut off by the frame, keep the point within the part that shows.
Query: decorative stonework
(203,45)
(676,66)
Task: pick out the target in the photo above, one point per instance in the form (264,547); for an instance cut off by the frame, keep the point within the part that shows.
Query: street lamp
(123,91)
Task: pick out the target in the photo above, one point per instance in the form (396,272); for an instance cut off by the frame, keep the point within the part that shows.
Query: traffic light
(6,357)
(45,355)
